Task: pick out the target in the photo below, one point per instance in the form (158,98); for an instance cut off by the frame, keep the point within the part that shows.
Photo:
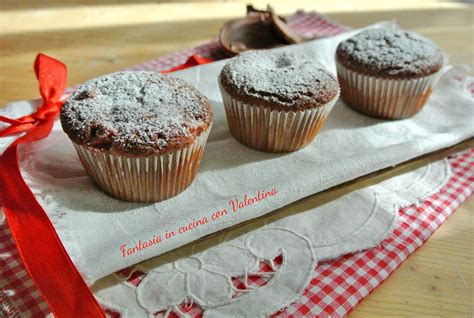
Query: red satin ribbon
(193,60)
(42,252)
(40,248)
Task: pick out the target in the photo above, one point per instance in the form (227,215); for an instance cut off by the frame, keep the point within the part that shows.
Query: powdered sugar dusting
(287,79)
(136,112)
(390,52)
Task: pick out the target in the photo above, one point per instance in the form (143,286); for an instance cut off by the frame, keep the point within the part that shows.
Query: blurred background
(98,37)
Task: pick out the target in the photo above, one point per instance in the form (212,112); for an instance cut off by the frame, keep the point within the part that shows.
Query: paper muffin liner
(269,130)
(144,178)
(385,98)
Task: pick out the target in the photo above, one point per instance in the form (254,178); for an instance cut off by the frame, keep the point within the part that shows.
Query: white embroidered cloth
(203,273)
(94,226)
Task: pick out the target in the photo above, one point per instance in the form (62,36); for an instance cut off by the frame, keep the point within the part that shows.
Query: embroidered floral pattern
(205,279)
(208,277)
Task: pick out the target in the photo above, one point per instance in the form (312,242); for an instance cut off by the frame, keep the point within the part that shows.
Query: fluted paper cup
(147,178)
(385,98)
(269,130)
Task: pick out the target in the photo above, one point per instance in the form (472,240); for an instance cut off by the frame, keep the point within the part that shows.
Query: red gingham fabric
(339,285)
(306,24)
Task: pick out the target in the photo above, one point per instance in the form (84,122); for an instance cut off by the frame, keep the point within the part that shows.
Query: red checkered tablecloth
(339,285)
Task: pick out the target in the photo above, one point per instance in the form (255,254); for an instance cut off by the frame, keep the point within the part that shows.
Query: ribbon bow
(52,75)
(39,246)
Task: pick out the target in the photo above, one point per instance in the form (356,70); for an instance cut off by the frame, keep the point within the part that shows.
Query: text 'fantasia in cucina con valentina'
(234,206)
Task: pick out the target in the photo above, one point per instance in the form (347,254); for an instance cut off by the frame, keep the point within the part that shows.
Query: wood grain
(94,38)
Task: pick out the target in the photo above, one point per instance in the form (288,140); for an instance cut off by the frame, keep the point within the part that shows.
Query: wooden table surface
(96,38)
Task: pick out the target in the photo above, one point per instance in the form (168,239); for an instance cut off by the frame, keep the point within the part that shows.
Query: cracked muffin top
(390,53)
(278,80)
(135,113)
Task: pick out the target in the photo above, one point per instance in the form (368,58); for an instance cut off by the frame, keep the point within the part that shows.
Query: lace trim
(273,263)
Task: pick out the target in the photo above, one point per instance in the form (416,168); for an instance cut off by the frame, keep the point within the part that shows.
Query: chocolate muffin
(139,135)
(388,73)
(276,101)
